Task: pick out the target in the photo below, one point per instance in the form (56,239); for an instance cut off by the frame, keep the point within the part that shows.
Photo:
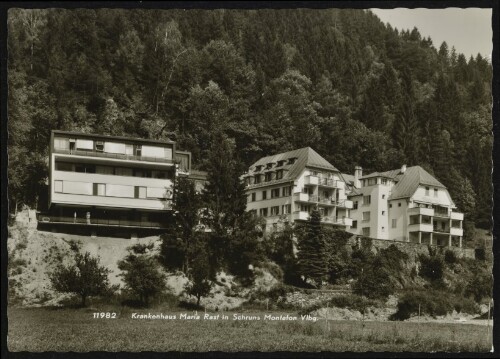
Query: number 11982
(104,315)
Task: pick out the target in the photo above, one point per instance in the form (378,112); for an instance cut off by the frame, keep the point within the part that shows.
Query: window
(435,192)
(366,216)
(383,196)
(268,177)
(122,171)
(269,165)
(280,163)
(138,150)
(355,205)
(99,146)
(257,179)
(104,170)
(367,200)
(286,209)
(275,192)
(399,204)
(394,223)
(383,229)
(61,143)
(279,174)
(99,189)
(291,161)
(287,191)
(366,231)
(372,181)
(85,168)
(64,166)
(384,180)
(426,191)
(263,212)
(354,224)
(275,210)
(264,194)
(390,205)
(140,192)
(58,186)
(383,213)
(253,197)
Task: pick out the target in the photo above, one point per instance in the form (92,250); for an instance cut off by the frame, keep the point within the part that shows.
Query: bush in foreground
(85,278)
(433,303)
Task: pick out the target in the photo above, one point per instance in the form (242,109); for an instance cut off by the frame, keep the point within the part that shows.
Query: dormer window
(258,168)
(268,176)
(280,163)
(269,165)
(292,160)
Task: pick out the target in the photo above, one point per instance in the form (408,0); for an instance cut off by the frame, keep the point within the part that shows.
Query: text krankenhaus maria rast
(223,317)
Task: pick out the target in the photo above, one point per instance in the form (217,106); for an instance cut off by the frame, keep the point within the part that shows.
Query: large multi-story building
(100,182)
(406,204)
(286,187)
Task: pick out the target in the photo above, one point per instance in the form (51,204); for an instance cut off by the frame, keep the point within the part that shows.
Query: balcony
(421,227)
(441,213)
(422,211)
(301,197)
(327,182)
(457,216)
(456,231)
(337,221)
(345,204)
(95,222)
(117,156)
(300,216)
(311,180)
(438,229)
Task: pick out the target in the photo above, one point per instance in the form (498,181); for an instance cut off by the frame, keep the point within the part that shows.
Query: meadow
(68,329)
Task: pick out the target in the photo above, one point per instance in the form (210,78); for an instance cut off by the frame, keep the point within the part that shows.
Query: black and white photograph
(249,179)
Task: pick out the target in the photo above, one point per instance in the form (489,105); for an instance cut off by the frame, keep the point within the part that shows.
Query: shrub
(85,278)
(141,273)
(431,267)
(450,257)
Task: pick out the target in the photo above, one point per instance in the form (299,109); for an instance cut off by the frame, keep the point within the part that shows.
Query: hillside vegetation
(357,90)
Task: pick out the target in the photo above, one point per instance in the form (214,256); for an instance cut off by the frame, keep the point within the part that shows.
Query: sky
(469,30)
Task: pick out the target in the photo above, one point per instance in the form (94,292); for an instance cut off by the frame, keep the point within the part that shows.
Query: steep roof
(407,182)
(305,157)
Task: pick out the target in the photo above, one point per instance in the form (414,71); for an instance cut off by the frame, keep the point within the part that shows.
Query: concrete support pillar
(460,242)
(449,240)
(419,237)
(419,218)
(430,240)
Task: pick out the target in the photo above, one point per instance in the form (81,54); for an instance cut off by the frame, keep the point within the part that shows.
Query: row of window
(368,200)
(69,144)
(275,193)
(275,210)
(428,190)
(110,190)
(355,223)
(373,181)
(112,170)
(280,163)
(268,177)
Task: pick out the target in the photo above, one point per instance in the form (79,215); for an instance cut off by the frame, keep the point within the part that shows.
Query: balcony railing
(95,222)
(119,156)
(327,182)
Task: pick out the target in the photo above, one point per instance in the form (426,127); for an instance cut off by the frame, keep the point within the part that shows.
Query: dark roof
(305,157)
(122,138)
(407,182)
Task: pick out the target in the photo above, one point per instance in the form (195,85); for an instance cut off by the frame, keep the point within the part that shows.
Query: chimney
(403,168)
(358,173)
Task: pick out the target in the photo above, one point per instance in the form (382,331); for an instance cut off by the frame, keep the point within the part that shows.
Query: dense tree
(357,90)
(141,272)
(85,277)
(311,247)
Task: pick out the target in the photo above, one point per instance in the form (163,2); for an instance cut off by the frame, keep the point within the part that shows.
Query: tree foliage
(141,273)
(85,277)
(340,80)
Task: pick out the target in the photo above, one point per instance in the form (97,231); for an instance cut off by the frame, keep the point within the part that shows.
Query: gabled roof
(305,157)
(407,182)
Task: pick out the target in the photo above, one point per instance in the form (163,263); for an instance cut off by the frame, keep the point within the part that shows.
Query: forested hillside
(340,81)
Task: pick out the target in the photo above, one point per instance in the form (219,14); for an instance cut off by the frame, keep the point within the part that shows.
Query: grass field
(44,329)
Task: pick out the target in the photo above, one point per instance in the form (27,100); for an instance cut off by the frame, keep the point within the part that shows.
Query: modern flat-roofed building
(286,187)
(406,204)
(98,182)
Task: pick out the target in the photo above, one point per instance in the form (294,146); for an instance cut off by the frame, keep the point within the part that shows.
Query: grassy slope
(43,329)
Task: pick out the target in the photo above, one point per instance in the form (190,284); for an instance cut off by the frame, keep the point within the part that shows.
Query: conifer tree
(311,250)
